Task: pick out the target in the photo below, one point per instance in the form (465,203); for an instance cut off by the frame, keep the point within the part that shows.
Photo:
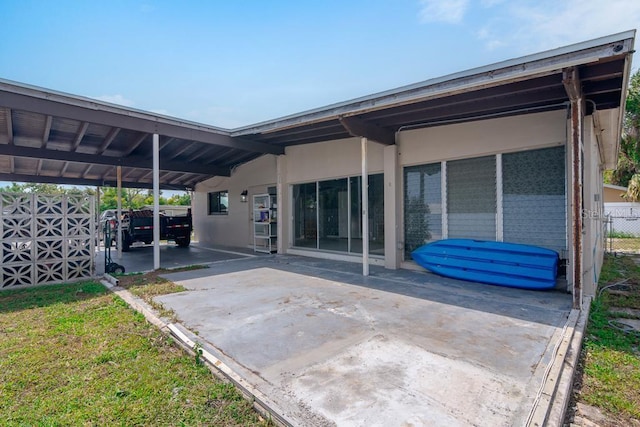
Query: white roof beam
(184,148)
(64,169)
(80,135)
(86,171)
(108,140)
(9,125)
(47,131)
(135,144)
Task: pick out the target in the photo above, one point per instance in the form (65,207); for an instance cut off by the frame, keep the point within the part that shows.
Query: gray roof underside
(48,136)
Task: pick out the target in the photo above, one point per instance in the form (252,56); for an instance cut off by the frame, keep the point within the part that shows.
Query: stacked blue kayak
(496,263)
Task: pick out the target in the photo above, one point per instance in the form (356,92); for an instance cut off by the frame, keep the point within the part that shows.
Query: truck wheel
(126,242)
(183,242)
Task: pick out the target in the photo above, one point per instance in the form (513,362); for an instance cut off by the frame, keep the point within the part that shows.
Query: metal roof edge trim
(394,96)
(97,105)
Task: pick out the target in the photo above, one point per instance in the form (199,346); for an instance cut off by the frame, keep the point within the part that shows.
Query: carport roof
(49,136)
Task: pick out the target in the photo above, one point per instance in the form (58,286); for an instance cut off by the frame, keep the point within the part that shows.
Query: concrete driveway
(399,348)
(140,257)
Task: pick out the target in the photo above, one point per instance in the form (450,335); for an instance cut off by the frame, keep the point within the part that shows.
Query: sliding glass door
(305,219)
(333,215)
(328,215)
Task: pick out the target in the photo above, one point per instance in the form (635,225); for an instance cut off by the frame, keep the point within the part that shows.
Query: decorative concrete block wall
(45,239)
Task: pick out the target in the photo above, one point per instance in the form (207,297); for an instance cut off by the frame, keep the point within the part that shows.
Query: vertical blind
(471,198)
(534,204)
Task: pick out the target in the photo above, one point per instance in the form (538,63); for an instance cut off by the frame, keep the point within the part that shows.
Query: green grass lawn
(77,355)
(611,357)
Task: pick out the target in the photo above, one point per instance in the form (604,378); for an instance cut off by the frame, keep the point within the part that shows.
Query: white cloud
(546,24)
(116,99)
(490,39)
(449,11)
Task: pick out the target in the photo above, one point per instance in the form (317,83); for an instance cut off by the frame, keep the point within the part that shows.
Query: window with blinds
(534,202)
(471,198)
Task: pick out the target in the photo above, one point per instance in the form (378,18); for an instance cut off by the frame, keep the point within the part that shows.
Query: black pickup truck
(137,226)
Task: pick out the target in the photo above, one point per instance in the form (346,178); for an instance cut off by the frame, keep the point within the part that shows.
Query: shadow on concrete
(545,307)
(140,257)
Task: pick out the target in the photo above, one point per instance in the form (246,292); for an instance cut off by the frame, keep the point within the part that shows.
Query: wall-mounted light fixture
(243,196)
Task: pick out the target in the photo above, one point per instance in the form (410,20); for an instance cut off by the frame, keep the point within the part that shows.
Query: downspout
(576,161)
(573,88)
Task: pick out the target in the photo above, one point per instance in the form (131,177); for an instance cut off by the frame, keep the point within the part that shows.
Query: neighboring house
(613,193)
(491,173)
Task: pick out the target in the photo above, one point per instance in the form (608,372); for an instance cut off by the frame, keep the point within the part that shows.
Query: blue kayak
(496,263)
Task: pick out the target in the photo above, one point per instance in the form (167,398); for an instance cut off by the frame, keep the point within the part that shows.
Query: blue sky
(235,63)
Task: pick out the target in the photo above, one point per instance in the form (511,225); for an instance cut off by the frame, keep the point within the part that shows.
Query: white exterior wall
(332,159)
(475,139)
(593,226)
(235,228)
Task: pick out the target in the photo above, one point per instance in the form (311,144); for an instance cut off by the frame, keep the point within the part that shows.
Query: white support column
(156,201)
(391,207)
(282,211)
(365,208)
(119,214)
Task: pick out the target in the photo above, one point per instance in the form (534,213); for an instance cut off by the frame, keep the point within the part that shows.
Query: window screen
(534,203)
(422,206)
(471,198)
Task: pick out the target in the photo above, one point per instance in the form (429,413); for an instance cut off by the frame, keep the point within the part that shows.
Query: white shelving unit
(265,227)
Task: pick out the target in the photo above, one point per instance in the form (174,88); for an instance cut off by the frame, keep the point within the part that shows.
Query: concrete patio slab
(331,347)
(140,257)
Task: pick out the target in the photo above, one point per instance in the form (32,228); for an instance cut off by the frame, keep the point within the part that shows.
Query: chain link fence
(622,229)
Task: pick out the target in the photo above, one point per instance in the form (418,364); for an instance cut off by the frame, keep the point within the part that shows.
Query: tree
(37,188)
(627,173)
(180,199)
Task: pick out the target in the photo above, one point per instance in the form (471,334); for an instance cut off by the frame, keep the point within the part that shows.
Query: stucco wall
(483,137)
(332,159)
(235,228)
